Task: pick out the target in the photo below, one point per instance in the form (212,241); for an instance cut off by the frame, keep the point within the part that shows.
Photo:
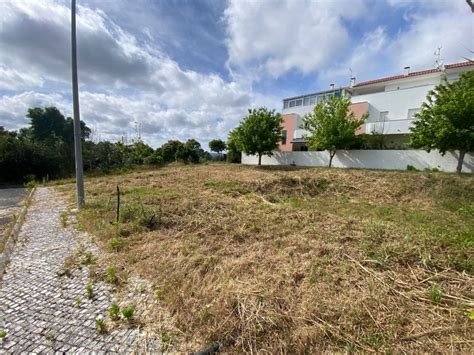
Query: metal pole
(77,119)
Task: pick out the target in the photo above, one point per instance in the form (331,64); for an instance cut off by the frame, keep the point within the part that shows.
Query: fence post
(118,205)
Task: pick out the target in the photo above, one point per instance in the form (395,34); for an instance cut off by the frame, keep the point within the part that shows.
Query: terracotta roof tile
(416,73)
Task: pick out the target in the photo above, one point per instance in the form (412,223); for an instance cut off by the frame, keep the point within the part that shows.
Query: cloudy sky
(191,68)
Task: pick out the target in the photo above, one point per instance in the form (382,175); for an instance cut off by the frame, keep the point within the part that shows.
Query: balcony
(389,126)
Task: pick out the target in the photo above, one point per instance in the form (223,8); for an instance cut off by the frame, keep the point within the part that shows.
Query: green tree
(332,126)
(217,145)
(446,120)
(169,150)
(258,133)
(190,152)
(234,155)
(156,158)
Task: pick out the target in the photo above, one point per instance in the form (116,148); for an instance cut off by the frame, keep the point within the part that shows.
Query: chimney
(407,70)
(331,87)
(353,82)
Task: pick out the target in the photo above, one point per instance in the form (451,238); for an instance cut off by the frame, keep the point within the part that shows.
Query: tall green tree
(234,155)
(258,133)
(446,120)
(169,150)
(189,152)
(217,145)
(332,126)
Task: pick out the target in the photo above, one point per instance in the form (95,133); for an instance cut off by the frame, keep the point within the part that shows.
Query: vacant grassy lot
(306,260)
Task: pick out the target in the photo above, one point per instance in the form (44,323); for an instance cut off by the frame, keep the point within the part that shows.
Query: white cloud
(452,28)
(365,57)
(13,108)
(121,79)
(430,24)
(11,79)
(278,36)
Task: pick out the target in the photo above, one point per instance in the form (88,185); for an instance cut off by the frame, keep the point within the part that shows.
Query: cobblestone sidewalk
(43,312)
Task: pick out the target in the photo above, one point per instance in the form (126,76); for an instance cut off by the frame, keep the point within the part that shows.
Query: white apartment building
(391,103)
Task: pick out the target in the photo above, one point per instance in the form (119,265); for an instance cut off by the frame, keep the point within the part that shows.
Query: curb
(13,235)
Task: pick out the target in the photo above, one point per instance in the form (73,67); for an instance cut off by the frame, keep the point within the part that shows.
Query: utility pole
(77,119)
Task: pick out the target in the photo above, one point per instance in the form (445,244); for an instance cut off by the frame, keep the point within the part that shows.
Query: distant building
(391,103)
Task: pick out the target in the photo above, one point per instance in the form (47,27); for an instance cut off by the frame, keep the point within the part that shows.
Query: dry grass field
(292,260)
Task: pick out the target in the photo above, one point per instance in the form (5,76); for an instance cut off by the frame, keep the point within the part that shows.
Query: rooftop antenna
(439,64)
(352,79)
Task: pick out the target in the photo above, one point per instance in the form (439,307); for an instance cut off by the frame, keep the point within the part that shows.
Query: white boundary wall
(368,159)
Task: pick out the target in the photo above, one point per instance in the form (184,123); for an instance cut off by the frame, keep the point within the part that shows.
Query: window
(312,100)
(303,148)
(337,93)
(383,116)
(306,101)
(299,102)
(285,104)
(412,112)
(283,136)
(292,103)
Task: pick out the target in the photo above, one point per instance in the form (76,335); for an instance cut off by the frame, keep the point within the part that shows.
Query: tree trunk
(331,155)
(462,153)
(259,159)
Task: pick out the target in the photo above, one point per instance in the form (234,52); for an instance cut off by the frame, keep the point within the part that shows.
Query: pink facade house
(391,103)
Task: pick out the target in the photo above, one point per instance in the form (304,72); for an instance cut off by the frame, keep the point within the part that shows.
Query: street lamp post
(77,119)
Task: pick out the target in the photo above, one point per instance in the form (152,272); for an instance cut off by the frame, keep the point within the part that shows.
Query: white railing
(389,126)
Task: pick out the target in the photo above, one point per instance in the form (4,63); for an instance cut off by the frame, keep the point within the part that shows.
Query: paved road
(11,197)
(10,203)
(44,312)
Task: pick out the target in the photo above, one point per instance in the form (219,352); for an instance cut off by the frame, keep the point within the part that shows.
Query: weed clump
(112,276)
(89,291)
(128,313)
(435,294)
(88,258)
(101,325)
(114,311)
(116,243)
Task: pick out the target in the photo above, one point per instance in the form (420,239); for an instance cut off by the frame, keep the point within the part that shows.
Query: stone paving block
(36,302)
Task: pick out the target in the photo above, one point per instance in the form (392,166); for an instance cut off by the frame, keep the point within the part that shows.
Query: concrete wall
(369,159)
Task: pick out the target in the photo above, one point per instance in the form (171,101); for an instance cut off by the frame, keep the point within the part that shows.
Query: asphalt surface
(10,203)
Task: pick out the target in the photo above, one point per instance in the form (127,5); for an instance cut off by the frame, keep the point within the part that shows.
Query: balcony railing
(389,126)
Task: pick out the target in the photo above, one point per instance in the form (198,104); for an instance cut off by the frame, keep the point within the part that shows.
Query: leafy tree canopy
(217,145)
(332,126)
(446,120)
(258,133)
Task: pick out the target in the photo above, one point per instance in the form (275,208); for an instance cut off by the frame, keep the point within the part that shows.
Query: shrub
(116,243)
(411,168)
(31,184)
